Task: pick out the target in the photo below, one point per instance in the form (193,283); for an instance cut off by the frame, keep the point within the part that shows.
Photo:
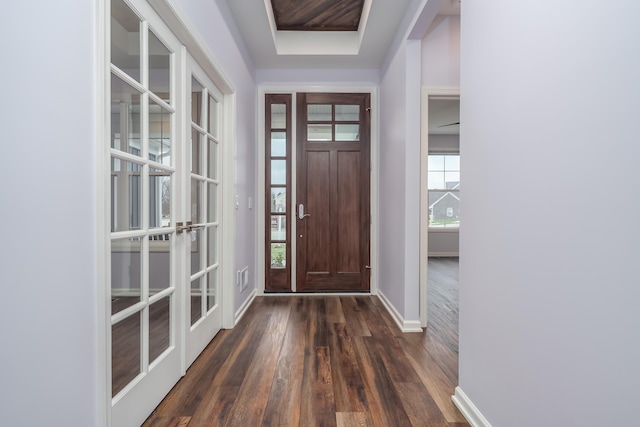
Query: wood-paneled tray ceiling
(317,15)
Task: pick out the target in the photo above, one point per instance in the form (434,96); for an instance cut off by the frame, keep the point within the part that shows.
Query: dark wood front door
(333,192)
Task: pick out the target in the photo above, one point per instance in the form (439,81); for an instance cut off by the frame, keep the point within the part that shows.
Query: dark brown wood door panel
(333,184)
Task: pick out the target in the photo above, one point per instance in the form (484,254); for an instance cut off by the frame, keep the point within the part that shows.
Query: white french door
(162,253)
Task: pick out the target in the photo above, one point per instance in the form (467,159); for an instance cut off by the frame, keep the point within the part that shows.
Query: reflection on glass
(278,144)
(196,151)
(347,132)
(212,122)
(125,352)
(159,68)
(125,117)
(125,39)
(159,198)
(278,172)
(159,263)
(212,163)
(347,113)
(278,116)
(212,245)
(196,197)
(196,101)
(278,255)
(278,227)
(159,328)
(196,300)
(196,250)
(126,195)
(319,133)
(212,198)
(278,199)
(212,288)
(159,134)
(319,113)
(444,209)
(126,276)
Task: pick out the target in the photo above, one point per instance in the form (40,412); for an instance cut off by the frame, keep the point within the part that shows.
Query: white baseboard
(404,325)
(247,303)
(469,410)
(444,254)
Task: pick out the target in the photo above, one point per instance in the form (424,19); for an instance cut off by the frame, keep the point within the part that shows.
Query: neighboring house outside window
(444,190)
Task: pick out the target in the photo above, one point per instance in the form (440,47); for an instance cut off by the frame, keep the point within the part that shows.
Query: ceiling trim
(317,42)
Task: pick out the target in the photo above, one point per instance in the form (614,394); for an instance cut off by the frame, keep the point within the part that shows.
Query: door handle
(301,214)
(187,226)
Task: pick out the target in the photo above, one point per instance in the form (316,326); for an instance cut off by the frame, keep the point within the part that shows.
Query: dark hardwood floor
(325,361)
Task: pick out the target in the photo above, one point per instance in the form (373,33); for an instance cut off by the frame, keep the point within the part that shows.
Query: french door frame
(261,201)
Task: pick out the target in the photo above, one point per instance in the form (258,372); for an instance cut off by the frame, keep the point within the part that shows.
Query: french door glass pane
(159,263)
(278,144)
(125,352)
(212,164)
(347,113)
(126,197)
(196,197)
(347,132)
(159,327)
(196,249)
(319,113)
(196,101)
(159,198)
(212,194)
(159,134)
(212,245)
(278,255)
(316,132)
(278,227)
(126,277)
(125,39)
(278,172)
(278,116)
(196,300)
(212,122)
(159,68)
(278,199)
(196,152)
(125,117)
(212,288)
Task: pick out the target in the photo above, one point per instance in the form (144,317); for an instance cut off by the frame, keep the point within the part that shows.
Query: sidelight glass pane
(125,352)
(159,263)
(319,133)
(212,198)
(347,132)
(159,327)
(196,300)
(159,134)
(278,144)
(212,245)
(278,255)
(159,198)
(212,163)
(347,113)
(278,172)
(125,117)
(196,101)
(212,288)
(125,39)
(159,68)
(126,273)
(278,199)
(212,122)
(196,151)
(278,116)
(197,238)
(126,195)
(319,113)
(196,201)
(278,227)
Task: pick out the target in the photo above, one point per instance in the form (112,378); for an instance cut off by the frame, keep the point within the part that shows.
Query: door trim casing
(372,90)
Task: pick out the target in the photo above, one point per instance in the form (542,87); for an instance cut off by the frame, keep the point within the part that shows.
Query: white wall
(441,53)
(48,318)
(353,77)
(549,334)
(212,21)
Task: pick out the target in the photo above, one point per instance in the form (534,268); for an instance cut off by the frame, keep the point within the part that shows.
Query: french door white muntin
(204,268)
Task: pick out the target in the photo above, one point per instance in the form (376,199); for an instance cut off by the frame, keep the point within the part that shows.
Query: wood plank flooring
(325,361)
